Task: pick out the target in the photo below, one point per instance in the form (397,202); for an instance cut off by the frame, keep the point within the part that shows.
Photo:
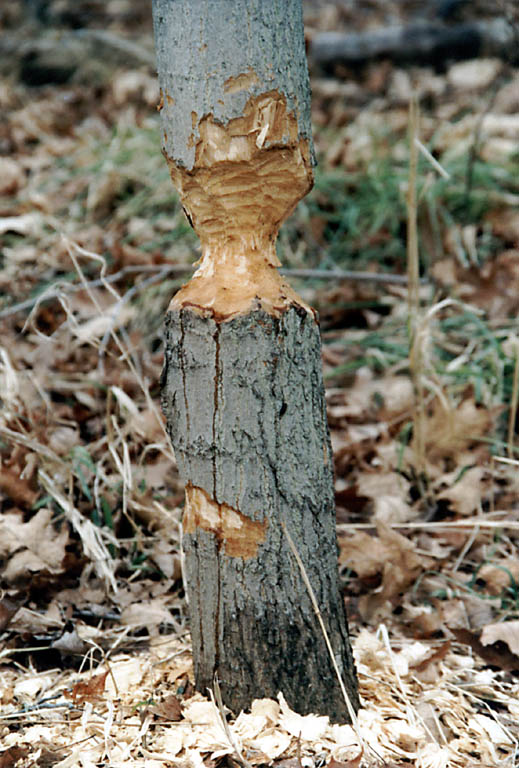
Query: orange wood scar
(248,176)
(241,82)
(238,534)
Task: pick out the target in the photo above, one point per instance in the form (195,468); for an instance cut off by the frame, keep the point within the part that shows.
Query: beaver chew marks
(237,534)
(247,178)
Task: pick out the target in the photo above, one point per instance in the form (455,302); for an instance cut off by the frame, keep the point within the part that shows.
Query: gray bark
(203,45)
(246,414)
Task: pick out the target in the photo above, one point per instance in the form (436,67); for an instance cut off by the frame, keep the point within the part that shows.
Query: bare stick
(315,605)
(415,336)
(514,401)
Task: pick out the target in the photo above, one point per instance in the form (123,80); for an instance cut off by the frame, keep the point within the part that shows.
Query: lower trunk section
(244,401)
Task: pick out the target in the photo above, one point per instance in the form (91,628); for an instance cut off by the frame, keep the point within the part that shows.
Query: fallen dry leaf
(473,74)
(435,656)
(88,690)
(32,546)
(149,613)
(449,432)
(9,757)
(495,287)
(169,709)
(363,553)
(505,223)
(16,488)
(353,763)
(499,575)
(504,631)
(388,492)
(70,643)
(389,555)
(396,393)
(8,609)
(290,762)
(12,176)
(464,497)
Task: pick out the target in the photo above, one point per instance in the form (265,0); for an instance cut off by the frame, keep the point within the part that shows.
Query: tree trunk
(242,384)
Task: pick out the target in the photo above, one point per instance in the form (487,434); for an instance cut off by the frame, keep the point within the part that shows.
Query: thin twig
(92,538)
(216,698)
(468,523)
(315,605)
(383,635)
(433,161)
(349,706)
(115,312)
(344,274)
(505,460)
(66,287)
(126,47)
(515,400)
(466,547)
(126,354)
(181,269)
(475,146)
(36,709)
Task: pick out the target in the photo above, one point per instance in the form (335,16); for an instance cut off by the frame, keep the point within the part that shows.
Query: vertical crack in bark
(215,407)
(183,365)
(198,597)
(217,619)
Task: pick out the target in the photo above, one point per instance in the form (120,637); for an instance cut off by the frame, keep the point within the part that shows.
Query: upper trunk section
(215,55)
(235,109)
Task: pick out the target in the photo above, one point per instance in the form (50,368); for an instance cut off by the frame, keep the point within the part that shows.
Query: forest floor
(95,664)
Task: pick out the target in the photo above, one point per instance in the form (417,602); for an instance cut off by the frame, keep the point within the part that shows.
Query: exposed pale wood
(247,178)
(235,105)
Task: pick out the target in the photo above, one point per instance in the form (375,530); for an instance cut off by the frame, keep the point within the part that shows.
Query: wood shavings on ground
(462,716)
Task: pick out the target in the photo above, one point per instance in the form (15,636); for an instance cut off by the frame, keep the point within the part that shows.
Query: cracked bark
(242,385)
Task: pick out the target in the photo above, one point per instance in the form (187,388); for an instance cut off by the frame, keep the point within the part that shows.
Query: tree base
(244,401)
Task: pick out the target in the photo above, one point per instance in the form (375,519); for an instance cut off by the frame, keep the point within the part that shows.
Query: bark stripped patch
(248,176)
(239,535)
(243,82)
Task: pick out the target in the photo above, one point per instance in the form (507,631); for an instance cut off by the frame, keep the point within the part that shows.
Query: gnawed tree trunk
(242,383)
